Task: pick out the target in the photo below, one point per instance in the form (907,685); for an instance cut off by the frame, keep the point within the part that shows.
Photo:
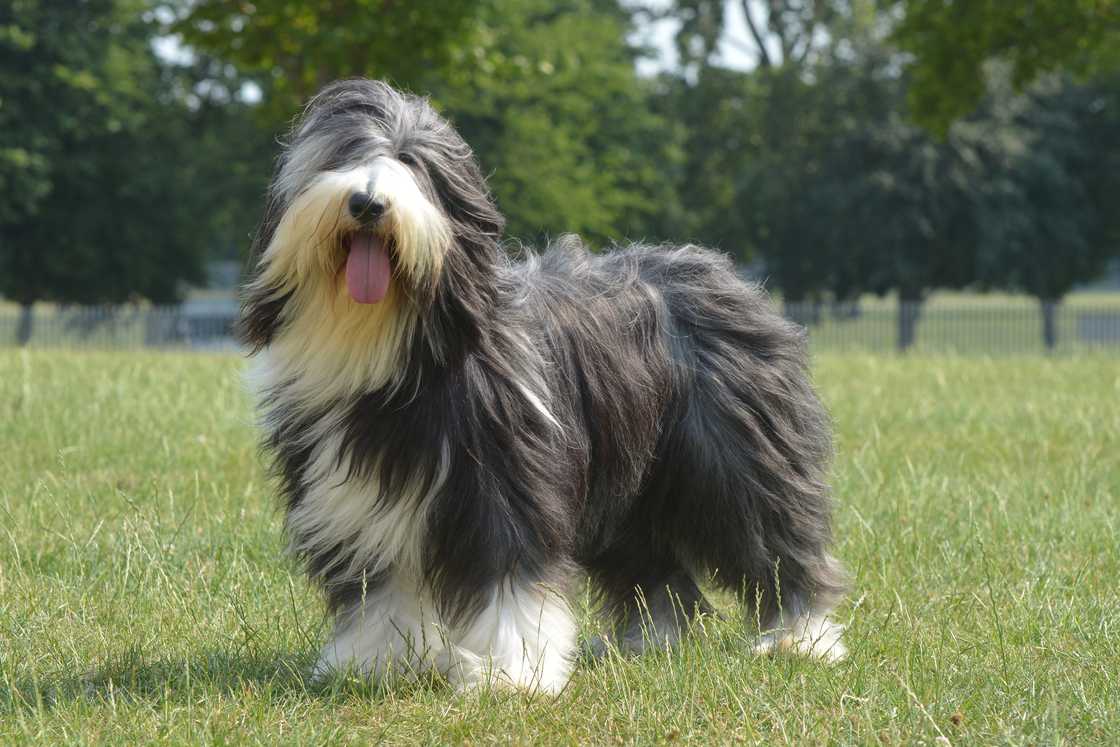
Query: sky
(659,35)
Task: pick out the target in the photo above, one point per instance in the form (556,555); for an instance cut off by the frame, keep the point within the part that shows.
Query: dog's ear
(468,201)
(261,305)
(266,228)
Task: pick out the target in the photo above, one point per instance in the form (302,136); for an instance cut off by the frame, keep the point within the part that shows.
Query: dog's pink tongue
(367,269)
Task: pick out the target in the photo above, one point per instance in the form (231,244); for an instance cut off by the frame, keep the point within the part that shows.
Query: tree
(806,160)
(223,156)
(753,137)
(809,161)
(952,40)
(776,33)
(293,48)
(719,116)
(909,209)
(1048,215)
(557,115)
(545,92)
(92,210)
(868,203)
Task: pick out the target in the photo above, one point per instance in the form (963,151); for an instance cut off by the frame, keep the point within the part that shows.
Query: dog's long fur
(454,455)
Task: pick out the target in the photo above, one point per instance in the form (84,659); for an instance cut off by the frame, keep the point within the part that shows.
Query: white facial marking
(419,228)
(329,346)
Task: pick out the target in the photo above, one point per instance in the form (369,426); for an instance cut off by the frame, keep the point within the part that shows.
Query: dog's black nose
(365,208)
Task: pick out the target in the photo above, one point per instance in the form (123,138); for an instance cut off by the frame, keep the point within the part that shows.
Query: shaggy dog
(459,435)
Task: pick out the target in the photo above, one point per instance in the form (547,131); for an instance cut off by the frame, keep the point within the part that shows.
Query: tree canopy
(92,211)
(812,163)
(558,117)
(868,146)
(292,48)
(952,40)
(546,92)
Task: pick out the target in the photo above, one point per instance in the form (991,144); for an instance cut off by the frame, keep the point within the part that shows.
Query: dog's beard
(332,343)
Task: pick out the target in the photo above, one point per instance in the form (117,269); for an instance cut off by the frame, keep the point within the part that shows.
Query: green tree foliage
(747,134)
(776,33)
(546,93)
(107,192)
(556,113)
(222,156)
(293,48)
(120,171)
(1047,204)
(810,161)
(756,139)
(853,200)
(953,39)
(77,118)
(63,81)
(903,207)
(806,160)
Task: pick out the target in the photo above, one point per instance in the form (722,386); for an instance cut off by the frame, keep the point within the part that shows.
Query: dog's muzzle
(367,262)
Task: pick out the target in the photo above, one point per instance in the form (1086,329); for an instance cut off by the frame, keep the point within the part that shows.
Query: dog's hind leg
(798,623)
(741,479)
(658,613)
(651,607)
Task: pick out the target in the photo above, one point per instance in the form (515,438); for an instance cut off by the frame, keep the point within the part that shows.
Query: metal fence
(120,327)
(983,327)
(992,328)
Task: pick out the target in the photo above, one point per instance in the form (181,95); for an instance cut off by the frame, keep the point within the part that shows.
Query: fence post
(26,324)
(908,312)
(1049,323)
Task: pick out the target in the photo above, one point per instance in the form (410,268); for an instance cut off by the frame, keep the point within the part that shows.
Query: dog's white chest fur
(383,531)
(524,632)
(342,506)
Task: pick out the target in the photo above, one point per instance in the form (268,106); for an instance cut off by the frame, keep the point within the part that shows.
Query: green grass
(143,597)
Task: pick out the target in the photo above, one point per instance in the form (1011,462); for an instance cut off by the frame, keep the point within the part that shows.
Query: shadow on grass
(281,674)
(213,672)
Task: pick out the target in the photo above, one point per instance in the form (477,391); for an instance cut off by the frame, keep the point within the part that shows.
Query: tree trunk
(909,310)
(1050,322)
(26,323)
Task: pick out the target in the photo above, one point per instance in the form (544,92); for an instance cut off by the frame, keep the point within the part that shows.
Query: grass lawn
(143,596)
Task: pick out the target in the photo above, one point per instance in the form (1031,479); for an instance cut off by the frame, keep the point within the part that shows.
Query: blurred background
(901,174)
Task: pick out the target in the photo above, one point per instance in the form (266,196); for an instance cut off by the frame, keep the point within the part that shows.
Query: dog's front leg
(391,629)
(524,638)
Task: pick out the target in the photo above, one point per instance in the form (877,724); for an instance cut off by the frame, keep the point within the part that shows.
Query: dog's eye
(407,159)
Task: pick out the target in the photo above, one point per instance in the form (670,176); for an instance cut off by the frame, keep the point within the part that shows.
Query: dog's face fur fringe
(363,135)
(454,453)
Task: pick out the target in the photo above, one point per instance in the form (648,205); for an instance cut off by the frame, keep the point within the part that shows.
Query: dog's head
(378,221)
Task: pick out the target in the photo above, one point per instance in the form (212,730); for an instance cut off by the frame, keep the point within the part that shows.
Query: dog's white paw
(814,636)
(471,674)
